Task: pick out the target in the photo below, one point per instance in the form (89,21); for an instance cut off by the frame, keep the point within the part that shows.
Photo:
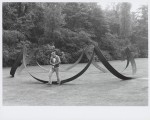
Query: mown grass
(93,88)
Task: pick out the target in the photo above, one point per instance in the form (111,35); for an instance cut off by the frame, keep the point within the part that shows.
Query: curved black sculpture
(128,61)
(63,81)
(16,64)
(100,56)
(130,58)
(79,59)
(38,63)
(108,66)
(95,64)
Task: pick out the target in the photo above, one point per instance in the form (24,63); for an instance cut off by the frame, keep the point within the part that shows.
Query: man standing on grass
(54,61)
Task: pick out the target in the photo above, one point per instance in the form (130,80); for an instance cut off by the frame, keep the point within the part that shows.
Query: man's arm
(51,61)
(59,61)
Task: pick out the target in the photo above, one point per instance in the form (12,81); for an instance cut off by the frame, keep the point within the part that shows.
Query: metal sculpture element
(95,64)
(95,50)
(100,56)
(63,81)
(19,63)
(108,66)
(38,63)
(130,58)
(16,64)
(79,59)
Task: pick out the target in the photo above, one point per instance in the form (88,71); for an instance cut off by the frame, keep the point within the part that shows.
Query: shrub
(12,37)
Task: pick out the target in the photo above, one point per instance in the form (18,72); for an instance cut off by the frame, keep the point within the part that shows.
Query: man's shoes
(49,83)
(59,82)
(12,76)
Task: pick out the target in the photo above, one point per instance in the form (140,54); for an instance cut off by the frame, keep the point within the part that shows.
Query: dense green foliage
(71,27)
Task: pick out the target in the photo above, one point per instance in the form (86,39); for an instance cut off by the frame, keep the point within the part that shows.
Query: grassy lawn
(93,88)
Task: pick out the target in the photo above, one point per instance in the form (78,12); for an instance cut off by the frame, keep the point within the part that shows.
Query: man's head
(53,54)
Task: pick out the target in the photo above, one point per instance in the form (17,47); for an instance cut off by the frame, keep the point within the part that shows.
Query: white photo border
(70,112)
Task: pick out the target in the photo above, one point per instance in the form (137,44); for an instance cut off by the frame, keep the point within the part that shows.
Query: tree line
(71,27)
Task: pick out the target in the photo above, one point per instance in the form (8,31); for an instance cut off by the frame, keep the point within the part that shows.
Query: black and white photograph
(75,54)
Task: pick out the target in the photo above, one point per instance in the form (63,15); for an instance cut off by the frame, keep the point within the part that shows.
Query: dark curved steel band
(94,63)
(103,60)
(127,52)
(130,58)
(79,59)
(16,64)
(127,64)
(108,66)
(69,79)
